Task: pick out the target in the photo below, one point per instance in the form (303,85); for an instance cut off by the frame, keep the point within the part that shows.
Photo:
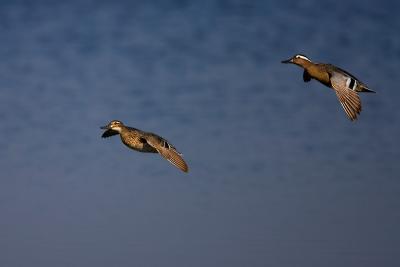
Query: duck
(345,85)
(145,142)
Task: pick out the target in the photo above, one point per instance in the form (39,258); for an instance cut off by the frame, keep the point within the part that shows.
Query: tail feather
(365,89)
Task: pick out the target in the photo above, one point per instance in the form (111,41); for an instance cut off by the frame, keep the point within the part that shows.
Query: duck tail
(365,89)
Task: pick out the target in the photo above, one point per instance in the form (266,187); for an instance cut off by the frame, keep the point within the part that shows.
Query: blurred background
(278,175)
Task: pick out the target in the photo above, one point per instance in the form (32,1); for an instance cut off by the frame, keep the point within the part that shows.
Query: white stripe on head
(302,57)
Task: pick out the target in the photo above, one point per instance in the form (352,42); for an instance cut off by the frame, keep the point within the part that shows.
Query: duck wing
(344,72)
(165,149)
(306,76)
(109,133)
(354,82)
(347,96)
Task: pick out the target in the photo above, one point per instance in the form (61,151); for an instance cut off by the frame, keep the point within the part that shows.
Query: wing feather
(347,97)
(168,151)
(109,133)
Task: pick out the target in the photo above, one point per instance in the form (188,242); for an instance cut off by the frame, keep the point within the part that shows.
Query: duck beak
(104,127)
(290,60)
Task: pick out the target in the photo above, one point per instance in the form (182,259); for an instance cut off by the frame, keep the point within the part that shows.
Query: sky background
(278,175)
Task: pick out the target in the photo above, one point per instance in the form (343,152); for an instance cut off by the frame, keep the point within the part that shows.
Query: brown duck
(346,86)
(145,142)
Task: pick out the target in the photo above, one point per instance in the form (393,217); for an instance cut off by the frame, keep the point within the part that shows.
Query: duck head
(114,125)
(298,59)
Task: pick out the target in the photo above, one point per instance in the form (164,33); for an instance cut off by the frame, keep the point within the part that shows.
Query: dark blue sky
(278,175)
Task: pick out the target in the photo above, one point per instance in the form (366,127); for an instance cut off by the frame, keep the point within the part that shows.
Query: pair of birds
(345,85)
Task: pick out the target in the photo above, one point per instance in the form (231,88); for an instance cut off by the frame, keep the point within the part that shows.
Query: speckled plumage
(345,85)
(145,142)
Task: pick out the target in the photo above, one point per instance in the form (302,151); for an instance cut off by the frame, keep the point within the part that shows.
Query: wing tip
(175,159)
(185,169)
(180,163)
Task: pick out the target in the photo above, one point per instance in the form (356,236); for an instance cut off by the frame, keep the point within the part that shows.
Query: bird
(345,85)
(145,142)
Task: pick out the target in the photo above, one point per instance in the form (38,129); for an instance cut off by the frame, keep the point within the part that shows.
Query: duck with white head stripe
(345,85)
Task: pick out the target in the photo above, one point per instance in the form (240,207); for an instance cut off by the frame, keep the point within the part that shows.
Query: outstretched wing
(109,133)
(306,76)
(348,98)
(344,72)
(167,151)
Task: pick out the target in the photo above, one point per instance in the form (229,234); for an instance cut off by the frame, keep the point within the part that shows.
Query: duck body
(342,82)
(145,142)
(324,73)
(133,138)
